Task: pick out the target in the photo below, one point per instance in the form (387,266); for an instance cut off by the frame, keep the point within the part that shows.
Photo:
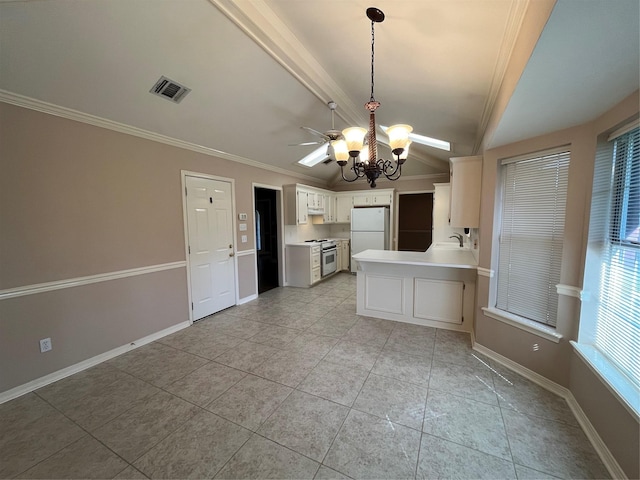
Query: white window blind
(611,321)
(534,196)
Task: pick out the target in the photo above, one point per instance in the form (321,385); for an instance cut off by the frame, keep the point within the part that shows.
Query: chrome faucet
(459,237)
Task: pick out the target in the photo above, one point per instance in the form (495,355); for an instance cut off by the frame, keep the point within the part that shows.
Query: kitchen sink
(447,246)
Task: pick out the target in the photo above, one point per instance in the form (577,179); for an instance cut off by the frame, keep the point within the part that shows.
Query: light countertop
(434,257)
(312,244)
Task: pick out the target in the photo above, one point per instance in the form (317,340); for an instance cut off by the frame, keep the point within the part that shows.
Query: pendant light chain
(352,146)
(372,57)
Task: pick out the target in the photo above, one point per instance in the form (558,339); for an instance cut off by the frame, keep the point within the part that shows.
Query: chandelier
(364,161)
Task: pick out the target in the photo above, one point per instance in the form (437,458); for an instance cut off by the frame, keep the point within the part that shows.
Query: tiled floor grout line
(88,433)
(450,355)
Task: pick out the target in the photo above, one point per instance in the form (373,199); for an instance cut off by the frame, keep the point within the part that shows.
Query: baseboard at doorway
(589,430)
(85,364)
(242,301)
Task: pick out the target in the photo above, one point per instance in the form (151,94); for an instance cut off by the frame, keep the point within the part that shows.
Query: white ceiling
(260,69)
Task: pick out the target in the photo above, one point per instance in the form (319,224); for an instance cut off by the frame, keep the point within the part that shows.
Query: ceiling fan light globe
(399,135)
(340,150)
(354,136)
(405,153)
(364,155)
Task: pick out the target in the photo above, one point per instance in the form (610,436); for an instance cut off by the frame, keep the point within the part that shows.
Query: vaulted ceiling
(258,70)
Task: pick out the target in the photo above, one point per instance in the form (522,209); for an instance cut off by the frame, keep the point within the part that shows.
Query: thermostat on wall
(242,216)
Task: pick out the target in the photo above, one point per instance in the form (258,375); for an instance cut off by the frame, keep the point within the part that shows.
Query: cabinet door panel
(302,207)
(361,200)
(438,300)
(344,204)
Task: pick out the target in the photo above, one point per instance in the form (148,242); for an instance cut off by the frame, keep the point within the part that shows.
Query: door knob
(231,254)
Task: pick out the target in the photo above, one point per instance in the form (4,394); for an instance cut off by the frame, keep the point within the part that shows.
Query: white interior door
(210,230)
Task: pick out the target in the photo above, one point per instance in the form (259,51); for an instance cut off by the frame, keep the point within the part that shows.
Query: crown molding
(511,30)
(70,114)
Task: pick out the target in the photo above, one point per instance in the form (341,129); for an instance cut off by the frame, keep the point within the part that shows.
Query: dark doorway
(415,221)
(266,238)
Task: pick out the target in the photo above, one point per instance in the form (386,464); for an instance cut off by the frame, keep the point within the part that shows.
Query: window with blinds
(534,196)
(610,321)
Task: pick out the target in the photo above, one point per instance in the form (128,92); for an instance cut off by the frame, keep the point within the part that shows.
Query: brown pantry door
(415,221)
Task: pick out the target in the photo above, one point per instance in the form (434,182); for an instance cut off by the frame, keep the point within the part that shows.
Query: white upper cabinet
(329,208)
(362,199)
(378,198)
(305,204)
(315,202)
(344,204)
(303,212)
(466,181)
(382,198)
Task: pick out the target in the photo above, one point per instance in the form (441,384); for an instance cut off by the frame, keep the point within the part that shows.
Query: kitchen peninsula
(435,288)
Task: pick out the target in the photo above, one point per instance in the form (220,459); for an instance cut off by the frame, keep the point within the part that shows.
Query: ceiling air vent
(170,90)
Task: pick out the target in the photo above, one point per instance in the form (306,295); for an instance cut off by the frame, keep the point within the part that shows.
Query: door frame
(396,227)
(183,180)
(280,218)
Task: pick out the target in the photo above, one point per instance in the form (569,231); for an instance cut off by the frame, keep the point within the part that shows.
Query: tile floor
(296,385)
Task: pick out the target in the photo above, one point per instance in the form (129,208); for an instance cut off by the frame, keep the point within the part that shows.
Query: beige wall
(79,200)
(555,361)
(615,425)
(85,321)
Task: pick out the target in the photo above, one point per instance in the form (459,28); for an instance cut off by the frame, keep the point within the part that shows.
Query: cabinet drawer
(315,260)
(315,275)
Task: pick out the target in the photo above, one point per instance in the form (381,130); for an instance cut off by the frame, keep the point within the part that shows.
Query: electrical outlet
(243,239)
(45,345)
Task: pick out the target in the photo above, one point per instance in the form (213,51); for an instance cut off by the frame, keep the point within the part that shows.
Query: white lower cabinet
(303,265)
(429,300)
(433,296)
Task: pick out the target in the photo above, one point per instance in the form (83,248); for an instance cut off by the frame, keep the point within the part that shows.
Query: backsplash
(300,233)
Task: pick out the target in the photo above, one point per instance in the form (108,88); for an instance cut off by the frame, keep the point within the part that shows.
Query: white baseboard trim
(247,299)
(600,447)
(85,364)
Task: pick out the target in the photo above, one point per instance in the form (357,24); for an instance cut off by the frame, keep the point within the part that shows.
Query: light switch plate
(242,216)
(243,227)
(243,239)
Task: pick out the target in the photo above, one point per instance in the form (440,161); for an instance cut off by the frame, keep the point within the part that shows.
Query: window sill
(617,383)
(530,326)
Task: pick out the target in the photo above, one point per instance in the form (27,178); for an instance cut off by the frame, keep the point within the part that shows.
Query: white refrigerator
(369,230)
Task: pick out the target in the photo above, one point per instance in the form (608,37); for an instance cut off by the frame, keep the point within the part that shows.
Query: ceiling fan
(319,155)
(327,156)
